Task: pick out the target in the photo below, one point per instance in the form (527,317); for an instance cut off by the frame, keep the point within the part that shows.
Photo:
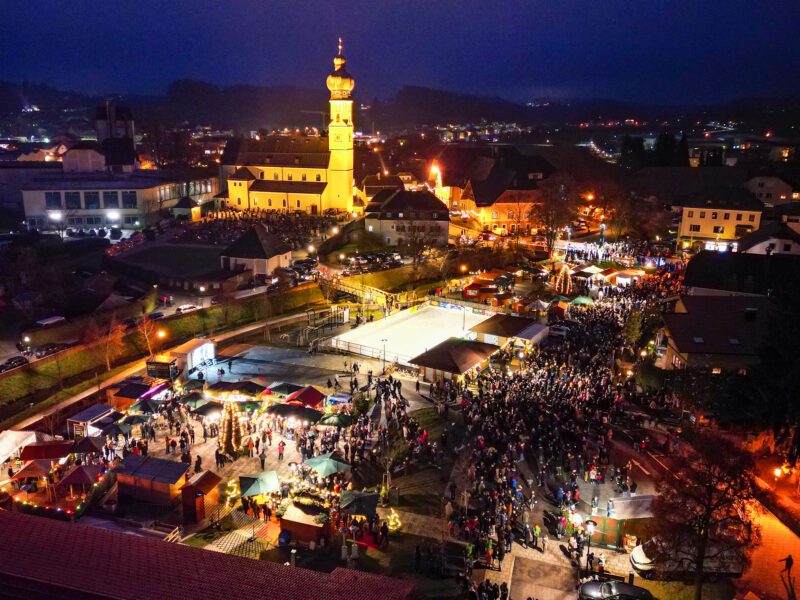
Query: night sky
(658,51)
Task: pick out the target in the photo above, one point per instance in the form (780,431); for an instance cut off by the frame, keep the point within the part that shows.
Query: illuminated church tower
(340,135)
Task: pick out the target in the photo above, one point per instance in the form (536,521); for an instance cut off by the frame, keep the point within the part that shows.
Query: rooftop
(257,243)
(139,179)
(768,231)
(726,198)
(152,469)
(455,355)
(739,272)
(47,558)
(504,325)
(278,150)
(401,202)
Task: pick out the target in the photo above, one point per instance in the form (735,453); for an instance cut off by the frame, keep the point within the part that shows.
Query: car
(184,308)
(13,363)
(612,590)
(559,330)
(154,316)
(47,350)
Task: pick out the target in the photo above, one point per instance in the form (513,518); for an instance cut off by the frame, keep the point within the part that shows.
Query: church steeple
(340,83)
(340,135)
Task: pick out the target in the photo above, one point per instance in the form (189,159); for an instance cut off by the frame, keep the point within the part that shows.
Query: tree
(555,207)
(704,510)
(416,239)
(111,343)
(147,329)
(665,149)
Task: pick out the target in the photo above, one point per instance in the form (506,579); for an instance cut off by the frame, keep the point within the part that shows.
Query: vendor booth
(199,496)
(192,354)
(149,479)
(90,421)
(453,358)
(629,520)
(11,442)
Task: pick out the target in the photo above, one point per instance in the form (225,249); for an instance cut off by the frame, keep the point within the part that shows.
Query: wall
(709,218)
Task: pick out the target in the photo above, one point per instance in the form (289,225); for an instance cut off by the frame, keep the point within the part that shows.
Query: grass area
(677,590)
(401,279)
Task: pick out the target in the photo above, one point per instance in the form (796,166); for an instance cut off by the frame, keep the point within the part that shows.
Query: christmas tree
(230,435)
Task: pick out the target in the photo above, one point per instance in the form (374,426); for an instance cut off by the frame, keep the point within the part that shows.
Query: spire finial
(340,44)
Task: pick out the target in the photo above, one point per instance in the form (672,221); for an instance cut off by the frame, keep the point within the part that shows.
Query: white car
(183,308)
(558,331)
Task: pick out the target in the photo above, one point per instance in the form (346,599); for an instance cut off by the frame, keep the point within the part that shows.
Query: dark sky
(651,50)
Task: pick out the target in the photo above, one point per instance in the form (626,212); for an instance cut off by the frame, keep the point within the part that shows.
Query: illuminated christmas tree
(230,431)
(564,282)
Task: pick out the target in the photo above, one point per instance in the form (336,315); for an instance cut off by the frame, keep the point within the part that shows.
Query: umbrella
(116,429)
(583,301)
(256,485)
(80,475)
(195,401)
(298,412)
(560,299)
(326,465)
(33,470)
(135,420)
(89,445)
(283,388)
(144,405)
(359,503)
(336,420)
(208,408)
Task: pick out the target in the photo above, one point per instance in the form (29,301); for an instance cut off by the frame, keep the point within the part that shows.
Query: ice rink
(407,333)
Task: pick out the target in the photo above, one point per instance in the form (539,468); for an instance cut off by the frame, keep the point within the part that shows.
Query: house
(666,184)
(771,238)
(775,187)
(46,558)
(715,218)
(738,273)
(453,358)
(258,251)
(400,217)
(149,479)
(372,184)
(716,333)
(501,329)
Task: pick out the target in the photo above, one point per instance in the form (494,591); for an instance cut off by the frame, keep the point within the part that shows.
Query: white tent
(12,442)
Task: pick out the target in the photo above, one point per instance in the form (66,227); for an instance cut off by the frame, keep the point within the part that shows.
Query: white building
(400,217)
(258,251)
(772,238)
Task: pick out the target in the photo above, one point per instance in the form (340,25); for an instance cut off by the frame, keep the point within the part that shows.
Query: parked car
(154,316)
(184,308)
(47,350)
(13,363)
(612,590)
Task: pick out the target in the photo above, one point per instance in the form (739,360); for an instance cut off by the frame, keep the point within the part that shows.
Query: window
(400,215)
(713,215)
(269,201)
(494,215)
(369,228)
(289,177)
(52,200)
(702,214)
(768,194)
(239,201)
(284,204)
(303,176)
(75,221)
(72,200)
(94,220)
(698,340)
(111,199)
(694,228)
(787,247)
(129,200)
(91,200)
(388,215)
(131,220)
(255,201)
(434,215)
(691,214)
(726,216)
(739,217)
(261,174)
(319,177)
(719,229)
(751,218)
(275,177)
(298,204)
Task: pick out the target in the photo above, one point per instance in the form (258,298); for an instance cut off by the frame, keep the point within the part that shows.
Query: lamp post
(602,233)
(384,340)
(590,525)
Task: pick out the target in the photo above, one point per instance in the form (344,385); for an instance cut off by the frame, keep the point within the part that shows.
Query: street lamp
(335,230)
(602,233)
(463,268)
(384,340)
(311,249)
(590,525)
(341,257)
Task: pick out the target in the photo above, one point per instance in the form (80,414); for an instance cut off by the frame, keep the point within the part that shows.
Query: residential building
(257,251)
(372,184)
(715,218)
(112,155)
(738,273)
(716,333)
(771,238)
(775,188)
(16,173)
(296,173)
(400,217)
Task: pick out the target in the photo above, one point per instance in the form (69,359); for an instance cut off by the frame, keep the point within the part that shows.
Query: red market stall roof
(49,558)
(51,450)
(309,396)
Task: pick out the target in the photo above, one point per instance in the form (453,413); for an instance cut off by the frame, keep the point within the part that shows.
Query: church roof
(278,150)
(289,187)
(257,243)
(242,174)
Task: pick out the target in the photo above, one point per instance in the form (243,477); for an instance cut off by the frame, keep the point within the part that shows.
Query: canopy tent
(12,441)
(326,465)
(237,391)
(52,450)
(582,301)
(590,269)
(336,420)
(194,401)
(208,408)
(145,405)
(194,384)
(89,445)
(116,429)
(135,420)
(359,503)
(282,388)
(340,398)
(81,475)
(257,485)
(559,299)
(300,413)
(309,396)
(33,469)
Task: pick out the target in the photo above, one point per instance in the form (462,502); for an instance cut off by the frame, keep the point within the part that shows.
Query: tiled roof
(740,272)
(394,202)
(242,174)
(455,355)
(768,231)
(504,325)
(725,198)
(258,243)
(278,150)
(64,560)
(288,187)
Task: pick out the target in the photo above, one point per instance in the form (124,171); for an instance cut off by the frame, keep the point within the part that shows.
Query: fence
(360,349)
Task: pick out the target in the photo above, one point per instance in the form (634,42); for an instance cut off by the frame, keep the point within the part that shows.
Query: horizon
(576,51)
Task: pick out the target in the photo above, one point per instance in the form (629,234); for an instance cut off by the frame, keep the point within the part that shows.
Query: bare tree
(416,239)
(704,511)
(555,207)
(147,329)
(112,341)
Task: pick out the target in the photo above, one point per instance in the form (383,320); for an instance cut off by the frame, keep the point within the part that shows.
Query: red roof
(79,561)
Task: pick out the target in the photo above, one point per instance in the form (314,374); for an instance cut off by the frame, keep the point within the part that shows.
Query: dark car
(13,363)
(47,350)
(155,315)
(612,590)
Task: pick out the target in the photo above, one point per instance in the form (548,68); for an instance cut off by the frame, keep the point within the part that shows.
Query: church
(297,173)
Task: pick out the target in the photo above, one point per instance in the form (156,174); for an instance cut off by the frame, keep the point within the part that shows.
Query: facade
(771,238)
(90,200)
(399,217)
(774,190)
(257,251)
(296,173)
(714,219)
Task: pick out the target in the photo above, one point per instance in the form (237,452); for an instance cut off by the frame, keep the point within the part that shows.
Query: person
(281,447)
(198,464)
(789,562)
(262,457)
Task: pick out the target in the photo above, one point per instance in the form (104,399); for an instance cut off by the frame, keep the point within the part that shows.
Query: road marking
(638,464)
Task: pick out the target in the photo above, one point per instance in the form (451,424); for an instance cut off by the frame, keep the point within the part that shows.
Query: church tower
(340,136)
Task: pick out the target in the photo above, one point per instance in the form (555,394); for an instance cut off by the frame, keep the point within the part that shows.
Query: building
(399,218)
(46,558)
(501,329)
(715,218)
(453,358)
(372,184)
(775,188)
(112,121)
(771,238)
(14,174)
(305,173)
(257,251)
(716,333)
(131,200)
(112,155)
(738,273)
